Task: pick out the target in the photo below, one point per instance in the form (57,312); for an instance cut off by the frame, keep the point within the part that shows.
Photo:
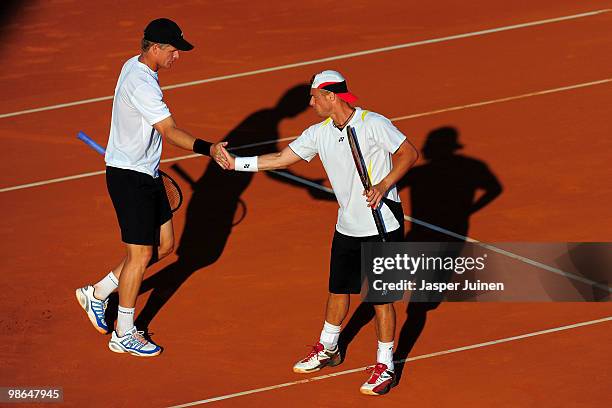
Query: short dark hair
(146,44)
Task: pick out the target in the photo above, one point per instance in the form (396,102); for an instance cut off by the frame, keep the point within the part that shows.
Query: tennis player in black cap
(140,120)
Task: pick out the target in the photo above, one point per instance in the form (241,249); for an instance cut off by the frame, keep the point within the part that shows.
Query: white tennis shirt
(378,139)
(138,104)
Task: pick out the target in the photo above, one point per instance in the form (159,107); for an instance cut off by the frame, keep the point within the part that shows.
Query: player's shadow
(215,205)
(443,190)
(443,193)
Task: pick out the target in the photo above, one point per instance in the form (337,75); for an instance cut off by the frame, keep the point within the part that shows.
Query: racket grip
(379,225)
(82,136)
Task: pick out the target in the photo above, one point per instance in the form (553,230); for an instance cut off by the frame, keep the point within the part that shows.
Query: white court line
(510,98)
(327,59)
(416,115)
(52,181)
(421,357)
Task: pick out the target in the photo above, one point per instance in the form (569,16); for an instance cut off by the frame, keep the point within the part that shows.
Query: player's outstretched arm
(181,138)
(271,161)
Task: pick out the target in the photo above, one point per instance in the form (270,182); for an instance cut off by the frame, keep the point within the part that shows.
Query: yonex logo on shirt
(246,166)
(341,139)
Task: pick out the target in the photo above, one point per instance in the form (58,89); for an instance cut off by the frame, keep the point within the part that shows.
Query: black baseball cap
(166,31)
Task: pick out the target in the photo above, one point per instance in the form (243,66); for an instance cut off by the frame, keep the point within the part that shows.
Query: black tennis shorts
(345,262)
(141,205)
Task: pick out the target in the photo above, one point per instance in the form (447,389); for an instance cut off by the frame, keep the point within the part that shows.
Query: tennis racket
(173,191)
(365,179)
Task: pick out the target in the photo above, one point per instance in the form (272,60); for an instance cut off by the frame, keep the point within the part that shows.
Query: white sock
(330,335)
(125,320)
(384,354)
(106,286)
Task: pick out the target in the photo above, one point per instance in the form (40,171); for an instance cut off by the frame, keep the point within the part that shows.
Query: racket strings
(175,197)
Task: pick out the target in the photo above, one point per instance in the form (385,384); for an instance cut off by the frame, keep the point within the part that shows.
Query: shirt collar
(146,68)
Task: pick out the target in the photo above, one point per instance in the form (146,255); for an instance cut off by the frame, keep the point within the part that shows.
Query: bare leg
(117,269)
(136,262)
(337,308)
(385,322)
(166,240)
(165,248)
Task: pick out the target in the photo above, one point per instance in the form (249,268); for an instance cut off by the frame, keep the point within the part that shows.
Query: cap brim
(347,97)
(182,44)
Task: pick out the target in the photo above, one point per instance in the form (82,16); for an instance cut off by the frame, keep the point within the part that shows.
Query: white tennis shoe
(94,308)
(380,382)
(318,358)
(133,342)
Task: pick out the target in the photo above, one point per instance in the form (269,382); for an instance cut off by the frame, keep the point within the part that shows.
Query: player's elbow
(414,155)
(409,153)
(169,135)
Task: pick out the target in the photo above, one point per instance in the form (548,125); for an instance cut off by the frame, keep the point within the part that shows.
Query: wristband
(202,147)
(246,163)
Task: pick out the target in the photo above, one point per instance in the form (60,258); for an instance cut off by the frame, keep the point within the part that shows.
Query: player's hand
(231,160)
(375,194)
(217,152)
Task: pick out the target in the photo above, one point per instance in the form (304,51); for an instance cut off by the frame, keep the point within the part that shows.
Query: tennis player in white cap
(388,156)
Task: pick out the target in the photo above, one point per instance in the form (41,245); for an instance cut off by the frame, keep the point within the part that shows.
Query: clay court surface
(528,87)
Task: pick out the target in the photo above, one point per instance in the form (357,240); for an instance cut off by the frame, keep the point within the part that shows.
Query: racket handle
(91,143)
(379,225)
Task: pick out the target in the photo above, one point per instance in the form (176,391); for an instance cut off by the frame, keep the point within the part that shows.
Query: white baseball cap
(333,81)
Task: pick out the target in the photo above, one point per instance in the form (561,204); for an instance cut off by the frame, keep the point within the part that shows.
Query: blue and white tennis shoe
(94,308)
(134,343)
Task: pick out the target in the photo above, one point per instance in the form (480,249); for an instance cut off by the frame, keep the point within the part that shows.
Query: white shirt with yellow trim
(378,139)
(133,142)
